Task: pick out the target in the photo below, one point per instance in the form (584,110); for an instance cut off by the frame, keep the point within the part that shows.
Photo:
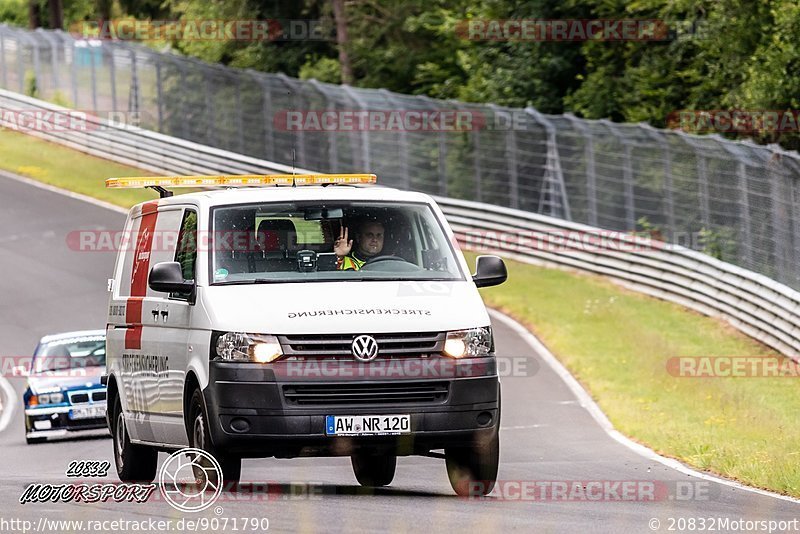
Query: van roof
(242,195)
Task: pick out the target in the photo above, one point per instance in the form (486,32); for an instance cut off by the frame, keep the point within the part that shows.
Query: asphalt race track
(546,434)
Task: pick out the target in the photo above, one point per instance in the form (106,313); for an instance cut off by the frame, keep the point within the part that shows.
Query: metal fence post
(554,175)
(133,94)
(267,113)
(333,142)
(74,74)
(627,180)
(3,56)
(591,173)
(511,158)
(112,75)
(37,67)
(744,210)
(94,79)
(20,64)
(702,182)
(239,116)
(775,183)
(159,99)
(366,162)
(661,139)
(405,176)
(300,139)
(441,146)
(627,176)
(183,109)
(477,174)
(47,36)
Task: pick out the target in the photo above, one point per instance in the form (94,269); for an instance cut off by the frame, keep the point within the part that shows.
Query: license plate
(367,425)
(90,412)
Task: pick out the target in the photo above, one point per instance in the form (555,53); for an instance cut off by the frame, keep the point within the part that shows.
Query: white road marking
(70,194)
(594,410)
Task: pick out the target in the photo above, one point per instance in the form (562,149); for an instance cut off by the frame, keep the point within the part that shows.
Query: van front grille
(366,394)
(335,346)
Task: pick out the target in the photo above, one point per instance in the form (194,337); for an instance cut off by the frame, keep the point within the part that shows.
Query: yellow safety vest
(351,263)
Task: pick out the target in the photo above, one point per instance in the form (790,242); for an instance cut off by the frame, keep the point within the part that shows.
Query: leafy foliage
(720,54)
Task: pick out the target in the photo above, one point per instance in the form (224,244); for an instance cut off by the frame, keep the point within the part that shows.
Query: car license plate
(90,412)
(367,425)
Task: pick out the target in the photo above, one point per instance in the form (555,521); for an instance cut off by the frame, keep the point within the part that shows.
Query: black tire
(373,470)
(135,463)
(472,470)
(200,438)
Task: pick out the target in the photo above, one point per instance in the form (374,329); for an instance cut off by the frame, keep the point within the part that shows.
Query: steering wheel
(382,260)
(386,257)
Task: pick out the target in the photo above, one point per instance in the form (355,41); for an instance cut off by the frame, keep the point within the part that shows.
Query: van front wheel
(201,439)
(135,463)
(472,470)
(373,470)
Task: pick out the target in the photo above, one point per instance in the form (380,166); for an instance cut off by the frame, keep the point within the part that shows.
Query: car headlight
(46,398)
(241,347)
(472,343)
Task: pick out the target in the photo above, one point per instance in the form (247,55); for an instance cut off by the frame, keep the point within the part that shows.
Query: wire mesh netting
(734,200)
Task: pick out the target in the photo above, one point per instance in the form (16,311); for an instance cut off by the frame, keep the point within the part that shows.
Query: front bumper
(60,422)
(250,413)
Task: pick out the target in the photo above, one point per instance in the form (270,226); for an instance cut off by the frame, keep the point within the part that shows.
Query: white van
(332,319)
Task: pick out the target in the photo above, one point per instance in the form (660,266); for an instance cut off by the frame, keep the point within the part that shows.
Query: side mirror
(489,271)
(167,277)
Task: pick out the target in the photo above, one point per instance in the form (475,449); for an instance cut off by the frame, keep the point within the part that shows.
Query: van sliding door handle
(155,315)
(164,315)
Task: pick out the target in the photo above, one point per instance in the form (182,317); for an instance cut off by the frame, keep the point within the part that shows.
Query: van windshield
(323,241)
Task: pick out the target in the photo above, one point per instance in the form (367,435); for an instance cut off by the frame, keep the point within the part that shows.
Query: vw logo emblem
(364,348)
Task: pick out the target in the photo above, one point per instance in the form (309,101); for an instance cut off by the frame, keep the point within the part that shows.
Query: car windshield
(292,242)
(72,353)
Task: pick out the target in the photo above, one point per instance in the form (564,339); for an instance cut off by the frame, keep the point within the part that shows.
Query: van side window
(186,253)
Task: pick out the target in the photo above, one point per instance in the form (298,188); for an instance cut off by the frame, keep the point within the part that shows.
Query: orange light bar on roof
(240,180)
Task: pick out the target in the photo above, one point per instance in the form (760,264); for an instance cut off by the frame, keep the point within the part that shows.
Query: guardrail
(131,145)
(754,304)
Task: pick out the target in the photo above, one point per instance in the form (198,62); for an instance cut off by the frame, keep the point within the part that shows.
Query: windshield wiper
(400,279)
(248,281)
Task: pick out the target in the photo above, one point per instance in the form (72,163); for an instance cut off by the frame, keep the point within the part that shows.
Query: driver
(369,243)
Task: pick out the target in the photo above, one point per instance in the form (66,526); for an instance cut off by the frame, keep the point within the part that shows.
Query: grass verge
(66,168)
(616,342)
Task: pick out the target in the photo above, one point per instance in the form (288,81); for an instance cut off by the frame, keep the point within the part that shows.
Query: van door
(177,312)
(132,334)
(141,318)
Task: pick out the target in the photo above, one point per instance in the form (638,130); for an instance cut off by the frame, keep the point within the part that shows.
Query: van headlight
(472,343)
(240,347)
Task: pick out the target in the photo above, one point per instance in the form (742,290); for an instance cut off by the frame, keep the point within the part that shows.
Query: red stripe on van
(133,316)
(139,273)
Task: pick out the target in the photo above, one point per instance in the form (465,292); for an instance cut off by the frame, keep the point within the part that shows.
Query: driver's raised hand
(342,246)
